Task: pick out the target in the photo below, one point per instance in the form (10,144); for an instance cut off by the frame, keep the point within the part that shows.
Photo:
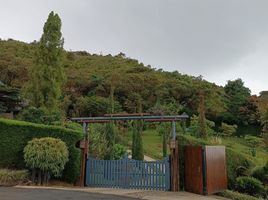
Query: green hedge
(12,177)
(236,195)
(237,165)
(15,135)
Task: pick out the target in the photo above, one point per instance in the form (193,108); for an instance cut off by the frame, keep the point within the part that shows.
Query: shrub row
(236,195)
(12,177)
(15,135)
(250,185)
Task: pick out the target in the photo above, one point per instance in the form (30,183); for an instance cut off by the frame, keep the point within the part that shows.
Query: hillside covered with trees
(91,80)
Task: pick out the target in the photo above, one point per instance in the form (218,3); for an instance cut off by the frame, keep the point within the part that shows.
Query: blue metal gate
(128,173)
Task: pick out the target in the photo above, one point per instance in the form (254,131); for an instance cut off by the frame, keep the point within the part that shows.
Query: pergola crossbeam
(150,118)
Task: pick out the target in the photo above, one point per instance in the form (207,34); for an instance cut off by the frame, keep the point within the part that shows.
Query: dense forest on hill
(91,79)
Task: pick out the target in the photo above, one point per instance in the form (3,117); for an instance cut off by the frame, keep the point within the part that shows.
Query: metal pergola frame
(126,117)
(145,117)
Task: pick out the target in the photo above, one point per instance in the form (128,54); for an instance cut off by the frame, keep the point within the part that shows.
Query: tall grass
(12,177)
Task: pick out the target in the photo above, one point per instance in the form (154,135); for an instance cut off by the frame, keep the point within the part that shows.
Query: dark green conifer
(47,74)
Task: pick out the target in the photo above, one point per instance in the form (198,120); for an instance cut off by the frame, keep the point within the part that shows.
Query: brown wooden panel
(193,169)
(216,175)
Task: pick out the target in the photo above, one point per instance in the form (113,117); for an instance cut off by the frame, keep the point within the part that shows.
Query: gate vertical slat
(127,173)
(148,175)
(154,169)
(112,175)
(142,175)
(98,172)
(156,175)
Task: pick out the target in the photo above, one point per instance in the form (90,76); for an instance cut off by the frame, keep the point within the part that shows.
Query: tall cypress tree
(202,117)
(137,144)
(47,75)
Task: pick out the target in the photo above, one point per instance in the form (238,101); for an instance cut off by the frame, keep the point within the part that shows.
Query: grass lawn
(152,144)
(240,145)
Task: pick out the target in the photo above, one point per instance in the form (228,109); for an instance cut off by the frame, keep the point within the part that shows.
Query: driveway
(87,193)
(11,193)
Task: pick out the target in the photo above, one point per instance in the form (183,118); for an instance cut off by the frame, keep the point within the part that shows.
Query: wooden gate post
(84,153)
(174,160)
(174,165)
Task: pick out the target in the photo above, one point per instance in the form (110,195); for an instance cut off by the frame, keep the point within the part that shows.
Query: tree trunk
(33,176)
(202,117)
(39,181)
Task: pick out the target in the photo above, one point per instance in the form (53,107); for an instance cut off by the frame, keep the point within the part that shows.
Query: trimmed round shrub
(48,155)
(250,185)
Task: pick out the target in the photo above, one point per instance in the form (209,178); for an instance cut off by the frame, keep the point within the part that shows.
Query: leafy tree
(263,103)
(118,152)
(202,129)
(236,96)
(171,108)
(194,126)
(98,142)
(110,135)
(253,142)
(9,98)
(164,130)
(137,144)
(39,115)
(249,112)
(46,156)
(47,74)
(95,106)
(228,130)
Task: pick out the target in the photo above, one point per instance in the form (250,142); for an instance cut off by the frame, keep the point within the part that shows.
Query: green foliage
(39,115)
(47,74)
(137,144)
(10,99)
(170,108)
(264,122)
(236,195)
(251,186)
(15,135)
(93,75)
(195,126)
(164,130)
(253,141)
(249,113)
(238,164)
(110,135)
(69,125)
(202,126)
(261,173)
(12,177)
(95,106)
(98,147)
(118,152)
(228,130)
(238,103)
(46,154)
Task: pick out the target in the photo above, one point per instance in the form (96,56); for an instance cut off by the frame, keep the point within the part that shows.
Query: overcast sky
(218,39)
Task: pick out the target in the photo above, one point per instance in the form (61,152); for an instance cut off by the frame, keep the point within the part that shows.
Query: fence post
(174,165)
(84,148)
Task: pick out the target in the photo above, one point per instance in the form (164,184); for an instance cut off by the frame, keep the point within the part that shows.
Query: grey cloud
(209,37)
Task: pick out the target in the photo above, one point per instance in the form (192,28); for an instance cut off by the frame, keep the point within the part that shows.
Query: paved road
(10,193)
